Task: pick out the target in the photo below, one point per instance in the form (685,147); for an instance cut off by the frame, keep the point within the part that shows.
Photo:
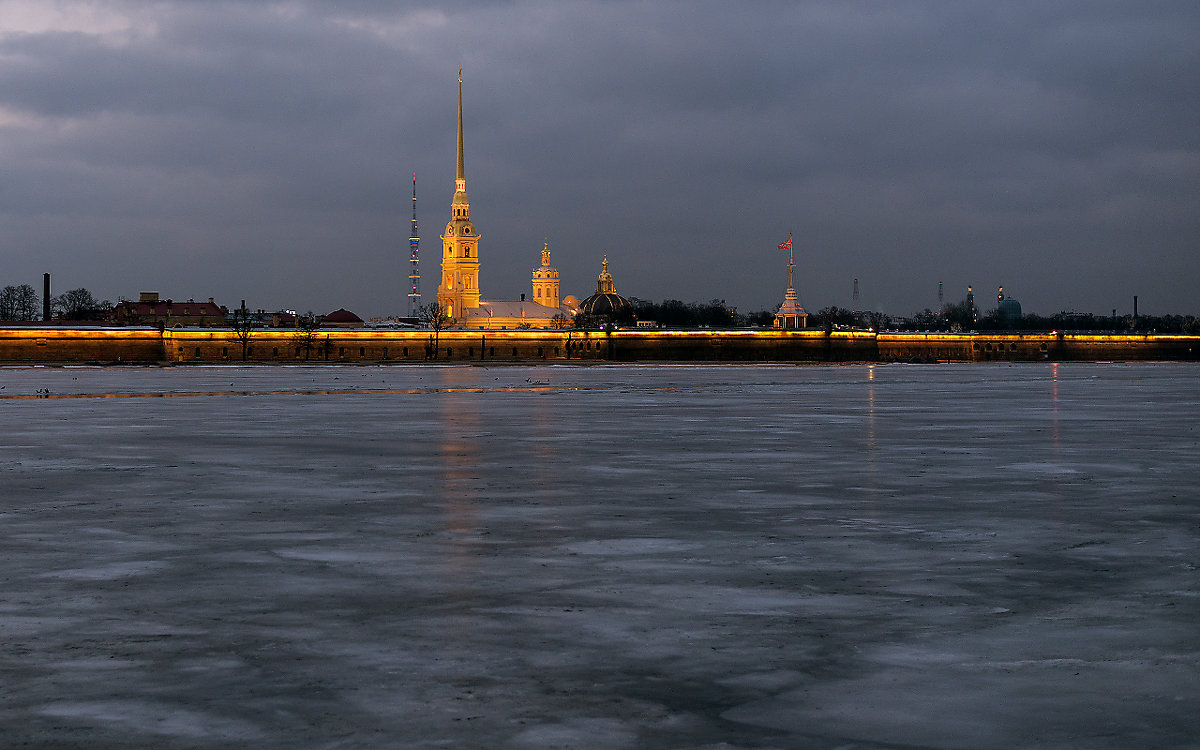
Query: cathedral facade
(458,291)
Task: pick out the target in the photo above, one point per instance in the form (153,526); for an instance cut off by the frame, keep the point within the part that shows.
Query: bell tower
(459,287)
(545,280)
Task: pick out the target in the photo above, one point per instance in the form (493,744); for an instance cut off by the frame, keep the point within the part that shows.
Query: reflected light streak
(458,456)
(1054,408)
(870,408)
(1055,445)
(870,455)
(342,392)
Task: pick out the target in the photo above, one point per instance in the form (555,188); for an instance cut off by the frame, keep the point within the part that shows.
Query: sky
(258,150)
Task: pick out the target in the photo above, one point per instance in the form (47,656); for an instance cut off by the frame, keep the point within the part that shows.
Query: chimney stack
(46,296)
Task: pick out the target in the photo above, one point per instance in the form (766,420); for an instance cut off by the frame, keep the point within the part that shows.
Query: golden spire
(461,176)
(546,253)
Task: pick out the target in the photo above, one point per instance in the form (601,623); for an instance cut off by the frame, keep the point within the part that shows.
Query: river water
(986,556)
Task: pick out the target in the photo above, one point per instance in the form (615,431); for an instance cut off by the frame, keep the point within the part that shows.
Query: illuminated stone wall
(184,346)
(80,345)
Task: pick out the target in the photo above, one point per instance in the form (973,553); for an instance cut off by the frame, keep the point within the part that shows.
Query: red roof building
(341,318)
(150,310)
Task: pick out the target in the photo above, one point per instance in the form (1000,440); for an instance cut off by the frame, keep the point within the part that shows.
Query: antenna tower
(856,292)
(939,295)
(414,274)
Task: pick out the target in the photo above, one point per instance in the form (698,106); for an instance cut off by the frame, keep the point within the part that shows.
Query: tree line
(21,302)
(675,313)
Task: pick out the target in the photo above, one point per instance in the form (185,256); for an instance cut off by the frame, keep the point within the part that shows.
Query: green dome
(608,305)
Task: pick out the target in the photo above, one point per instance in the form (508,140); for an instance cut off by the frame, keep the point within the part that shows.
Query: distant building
(283,319)
(341,318)
(150,310)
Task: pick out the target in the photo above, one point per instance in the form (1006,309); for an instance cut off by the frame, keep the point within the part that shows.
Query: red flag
(787,245)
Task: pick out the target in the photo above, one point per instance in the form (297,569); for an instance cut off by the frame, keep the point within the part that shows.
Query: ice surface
(986,556)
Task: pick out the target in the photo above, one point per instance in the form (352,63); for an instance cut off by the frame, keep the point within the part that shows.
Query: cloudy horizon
(265,151)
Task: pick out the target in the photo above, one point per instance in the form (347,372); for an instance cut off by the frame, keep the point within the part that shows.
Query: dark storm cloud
(243,149)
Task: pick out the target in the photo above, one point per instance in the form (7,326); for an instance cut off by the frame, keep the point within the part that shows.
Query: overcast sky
(257,150)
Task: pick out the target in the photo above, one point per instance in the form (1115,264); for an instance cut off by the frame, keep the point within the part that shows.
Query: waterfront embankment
(131,345)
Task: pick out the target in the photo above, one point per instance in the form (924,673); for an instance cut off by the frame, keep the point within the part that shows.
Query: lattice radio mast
(414,273)
(856,294)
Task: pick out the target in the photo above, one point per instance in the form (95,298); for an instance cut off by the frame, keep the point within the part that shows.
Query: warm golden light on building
(458,293)
(459,290)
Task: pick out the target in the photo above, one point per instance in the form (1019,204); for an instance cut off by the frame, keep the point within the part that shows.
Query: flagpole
(791,260)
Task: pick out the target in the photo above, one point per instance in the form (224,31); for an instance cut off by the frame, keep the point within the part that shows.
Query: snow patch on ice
(1041,467)
(598,734)
(326,555)
(149,718)
(630,546)
(108,572)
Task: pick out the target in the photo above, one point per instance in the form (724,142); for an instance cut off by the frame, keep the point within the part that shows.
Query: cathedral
(458,293)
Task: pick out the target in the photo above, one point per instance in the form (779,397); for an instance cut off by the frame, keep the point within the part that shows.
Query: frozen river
(955,556)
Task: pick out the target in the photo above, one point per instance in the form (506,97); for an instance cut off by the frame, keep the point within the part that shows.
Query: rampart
(79,345)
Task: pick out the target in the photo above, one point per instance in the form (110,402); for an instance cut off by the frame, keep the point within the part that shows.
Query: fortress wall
(184,346)
(80,345)
(734,346)
(1091,348)
(350,345)
(945,347)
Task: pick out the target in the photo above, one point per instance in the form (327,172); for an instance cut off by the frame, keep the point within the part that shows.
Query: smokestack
(1135,305)
(45,296)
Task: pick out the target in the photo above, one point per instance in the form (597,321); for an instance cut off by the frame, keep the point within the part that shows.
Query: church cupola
(604,283)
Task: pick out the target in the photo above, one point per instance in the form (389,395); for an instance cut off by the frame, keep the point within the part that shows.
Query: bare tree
(434,316)
(18,303)
(8,303)
(305,337)
(78,304)
(242,323)
(560,321)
